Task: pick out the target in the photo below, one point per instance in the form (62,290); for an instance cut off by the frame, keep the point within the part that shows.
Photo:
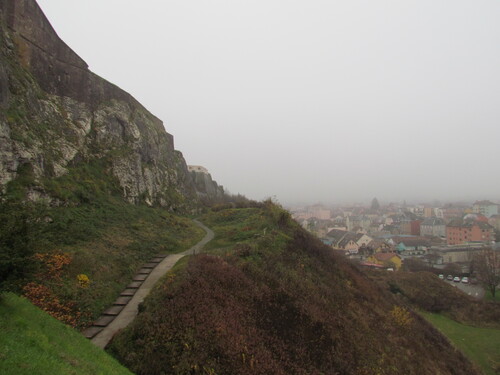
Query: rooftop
(384,256)
(433,221)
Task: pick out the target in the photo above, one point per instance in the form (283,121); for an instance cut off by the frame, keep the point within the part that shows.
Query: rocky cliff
(57,115)
(205,186)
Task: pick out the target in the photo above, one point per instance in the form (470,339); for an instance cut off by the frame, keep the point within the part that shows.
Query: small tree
(452,269)
(487,268)
(416,265)
(20,226)
(375,204)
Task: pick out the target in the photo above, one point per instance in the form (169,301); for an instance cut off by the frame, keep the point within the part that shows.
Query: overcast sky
(333,101)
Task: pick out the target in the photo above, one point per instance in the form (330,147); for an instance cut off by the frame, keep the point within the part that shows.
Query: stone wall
(57,68)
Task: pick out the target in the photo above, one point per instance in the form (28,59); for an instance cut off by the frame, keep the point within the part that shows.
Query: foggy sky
(310,101)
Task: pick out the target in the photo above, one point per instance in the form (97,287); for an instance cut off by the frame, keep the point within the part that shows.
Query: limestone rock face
(205,186)
(4,88)
(56,115)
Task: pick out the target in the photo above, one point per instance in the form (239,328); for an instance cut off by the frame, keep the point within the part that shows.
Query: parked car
(456,279)
(449,277)
(465,280)
(441,276)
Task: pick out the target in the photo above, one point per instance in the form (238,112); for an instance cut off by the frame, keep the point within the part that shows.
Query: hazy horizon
(312,101)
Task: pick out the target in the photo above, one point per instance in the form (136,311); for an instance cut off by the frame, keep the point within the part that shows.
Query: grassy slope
(270,299)
(236,226)
(489,296)
(34,343)
(107,238)
(473,326)
(427,292)
(125,236)
(481,345)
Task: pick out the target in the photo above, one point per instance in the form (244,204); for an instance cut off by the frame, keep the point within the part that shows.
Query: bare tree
(487,268)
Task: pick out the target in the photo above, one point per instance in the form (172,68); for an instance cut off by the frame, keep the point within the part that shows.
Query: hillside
(271,299)
(90,182)
(472,325)
(107,242)
(480,345)
(34,343)
(425,291)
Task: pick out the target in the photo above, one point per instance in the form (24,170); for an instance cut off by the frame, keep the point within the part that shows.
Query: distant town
(384,236)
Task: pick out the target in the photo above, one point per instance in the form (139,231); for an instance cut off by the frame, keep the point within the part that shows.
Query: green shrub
(21,227)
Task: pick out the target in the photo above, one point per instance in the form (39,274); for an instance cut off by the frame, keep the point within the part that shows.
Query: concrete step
(122,301)
(134,285)
(91,331)
(104,320)
(140,277)
(150,265)
(145,271)
(113,310)
(128,292)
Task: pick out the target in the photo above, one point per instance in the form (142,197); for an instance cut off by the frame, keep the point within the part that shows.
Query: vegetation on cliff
(271,299)
(59,120)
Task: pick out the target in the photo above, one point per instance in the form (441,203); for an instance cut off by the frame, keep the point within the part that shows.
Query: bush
(20,227)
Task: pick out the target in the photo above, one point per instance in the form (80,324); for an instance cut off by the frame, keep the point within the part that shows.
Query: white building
(433,226)
(485,208)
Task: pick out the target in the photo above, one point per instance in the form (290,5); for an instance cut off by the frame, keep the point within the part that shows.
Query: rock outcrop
(206,188)
(55,115)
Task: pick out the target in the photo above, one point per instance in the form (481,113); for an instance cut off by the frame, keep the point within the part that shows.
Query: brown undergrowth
(278,303)
(425,291)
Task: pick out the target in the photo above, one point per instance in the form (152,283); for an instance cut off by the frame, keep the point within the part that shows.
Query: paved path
(476,291)
(129,312)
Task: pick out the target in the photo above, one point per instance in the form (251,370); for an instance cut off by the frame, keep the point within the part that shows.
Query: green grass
(107,238)
(244,225)
(489,297)
(480,345)
(234,226)
(32,342)
(111,243)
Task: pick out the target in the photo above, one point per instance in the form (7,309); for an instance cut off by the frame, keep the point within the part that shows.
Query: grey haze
(329,101)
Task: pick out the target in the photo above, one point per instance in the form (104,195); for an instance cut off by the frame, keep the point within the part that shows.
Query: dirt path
(129,312)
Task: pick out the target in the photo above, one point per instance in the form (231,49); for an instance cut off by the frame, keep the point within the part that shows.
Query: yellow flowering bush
(401,316)
(83,280)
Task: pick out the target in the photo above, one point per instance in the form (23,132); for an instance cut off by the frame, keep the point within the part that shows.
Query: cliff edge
(56,115)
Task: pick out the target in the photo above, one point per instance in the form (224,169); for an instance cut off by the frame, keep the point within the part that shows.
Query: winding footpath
(128,310)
